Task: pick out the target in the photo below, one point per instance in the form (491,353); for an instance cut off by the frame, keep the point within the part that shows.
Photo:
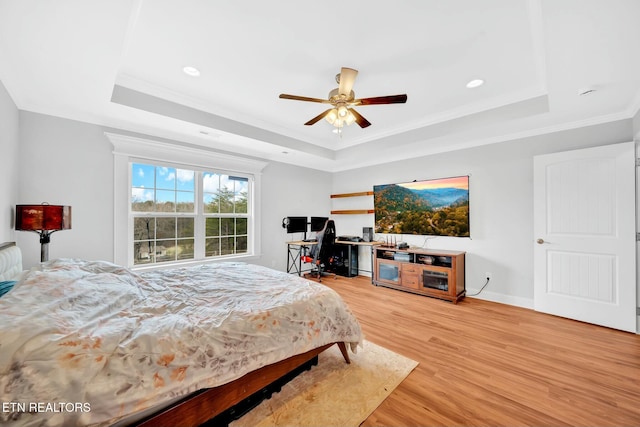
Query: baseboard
(502,298)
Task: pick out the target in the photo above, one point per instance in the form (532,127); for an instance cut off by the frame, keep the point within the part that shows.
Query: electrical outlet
(488,275)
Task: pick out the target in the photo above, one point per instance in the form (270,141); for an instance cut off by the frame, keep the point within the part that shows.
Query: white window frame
(131,149)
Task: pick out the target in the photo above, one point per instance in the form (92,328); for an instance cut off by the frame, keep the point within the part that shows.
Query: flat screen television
(296,224)
(317,223)
(434,207)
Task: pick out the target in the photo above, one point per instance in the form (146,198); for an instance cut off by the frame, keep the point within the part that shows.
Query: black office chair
(324,251)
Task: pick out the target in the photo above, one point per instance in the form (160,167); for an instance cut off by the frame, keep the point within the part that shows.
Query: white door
(584,235)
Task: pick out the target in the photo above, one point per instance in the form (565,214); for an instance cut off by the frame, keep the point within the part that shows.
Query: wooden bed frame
(203,405)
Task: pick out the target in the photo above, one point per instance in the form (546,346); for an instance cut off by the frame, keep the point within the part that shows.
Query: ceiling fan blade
(347,79)
(377,100)
(317,118)
(303,98)
(361,121)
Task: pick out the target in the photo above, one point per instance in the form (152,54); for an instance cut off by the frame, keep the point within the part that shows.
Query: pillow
(6,286)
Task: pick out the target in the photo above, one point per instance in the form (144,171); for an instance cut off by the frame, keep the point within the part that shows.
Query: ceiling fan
(343,100)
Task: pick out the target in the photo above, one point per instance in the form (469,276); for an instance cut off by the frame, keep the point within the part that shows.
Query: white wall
(9,144)
(65,162)
(501,204)
(71,163)
(289,191)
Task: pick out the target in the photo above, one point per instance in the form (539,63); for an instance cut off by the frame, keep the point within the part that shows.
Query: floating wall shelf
(362,193)
(352,211)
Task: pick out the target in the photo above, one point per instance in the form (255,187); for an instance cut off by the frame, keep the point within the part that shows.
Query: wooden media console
(434,273)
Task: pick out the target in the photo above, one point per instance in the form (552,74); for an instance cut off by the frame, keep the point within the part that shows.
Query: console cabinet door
(388,271)
(437,281)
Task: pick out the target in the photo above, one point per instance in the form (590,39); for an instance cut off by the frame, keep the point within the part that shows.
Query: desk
(294,255)
(352,255)
(296,247)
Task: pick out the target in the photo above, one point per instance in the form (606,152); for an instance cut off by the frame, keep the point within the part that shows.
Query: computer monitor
(296,224)
(317,223)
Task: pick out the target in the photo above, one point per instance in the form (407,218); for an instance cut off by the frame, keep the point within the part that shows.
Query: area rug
(334,393)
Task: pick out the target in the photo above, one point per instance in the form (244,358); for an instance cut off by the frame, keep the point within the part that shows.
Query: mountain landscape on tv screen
(427,211)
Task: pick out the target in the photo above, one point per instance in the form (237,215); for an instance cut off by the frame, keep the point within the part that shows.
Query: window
(180,204)
(168,203)
(163,210)
(225,200)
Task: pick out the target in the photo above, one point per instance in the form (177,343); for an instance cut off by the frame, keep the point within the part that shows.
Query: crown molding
(126,145)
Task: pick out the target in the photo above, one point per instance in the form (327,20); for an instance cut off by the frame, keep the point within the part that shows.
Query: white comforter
(91,342)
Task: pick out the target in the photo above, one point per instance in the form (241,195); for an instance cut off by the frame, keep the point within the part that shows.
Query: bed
(94,343)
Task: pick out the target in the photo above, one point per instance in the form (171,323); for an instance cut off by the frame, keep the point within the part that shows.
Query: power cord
(483,286)
(426,239)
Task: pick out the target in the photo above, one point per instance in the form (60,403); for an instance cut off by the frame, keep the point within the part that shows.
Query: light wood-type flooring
(489,364)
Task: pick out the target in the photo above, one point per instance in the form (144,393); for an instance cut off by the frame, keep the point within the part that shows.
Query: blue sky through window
(162,184)
(142,176)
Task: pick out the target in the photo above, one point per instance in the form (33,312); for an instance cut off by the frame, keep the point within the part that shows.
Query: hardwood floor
(489,364)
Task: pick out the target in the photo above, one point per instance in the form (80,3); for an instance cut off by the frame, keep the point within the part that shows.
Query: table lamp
(43,219)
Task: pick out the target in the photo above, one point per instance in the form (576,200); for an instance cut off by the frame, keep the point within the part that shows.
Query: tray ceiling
(120,64)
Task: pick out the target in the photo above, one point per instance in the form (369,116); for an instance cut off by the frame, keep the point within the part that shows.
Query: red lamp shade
(43,217)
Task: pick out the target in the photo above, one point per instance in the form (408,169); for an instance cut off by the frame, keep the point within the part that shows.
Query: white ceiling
(119,63)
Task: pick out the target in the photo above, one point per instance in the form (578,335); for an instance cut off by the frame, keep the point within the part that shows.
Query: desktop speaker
(367,234)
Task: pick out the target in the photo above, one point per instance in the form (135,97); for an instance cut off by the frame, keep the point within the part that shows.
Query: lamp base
(44,252)
(45,238)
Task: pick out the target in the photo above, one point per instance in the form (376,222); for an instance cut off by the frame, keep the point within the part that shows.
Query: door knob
(540,241)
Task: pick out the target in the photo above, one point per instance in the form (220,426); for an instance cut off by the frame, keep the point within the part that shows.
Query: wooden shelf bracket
(362,193)
(353,212)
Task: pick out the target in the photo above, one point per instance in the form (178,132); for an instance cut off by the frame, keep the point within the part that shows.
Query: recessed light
(191,71)
(475,83)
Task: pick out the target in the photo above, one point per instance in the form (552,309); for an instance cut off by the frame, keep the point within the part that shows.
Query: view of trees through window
(225,197)
(167,203)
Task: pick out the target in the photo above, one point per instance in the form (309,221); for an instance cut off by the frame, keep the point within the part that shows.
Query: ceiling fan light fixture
(350,118)
(340,117)
(342,99)
(332,116)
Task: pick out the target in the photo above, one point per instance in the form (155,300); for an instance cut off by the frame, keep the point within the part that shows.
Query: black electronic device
(318,222)
(347,260)
(349,238)
(296,224)
(367,234)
